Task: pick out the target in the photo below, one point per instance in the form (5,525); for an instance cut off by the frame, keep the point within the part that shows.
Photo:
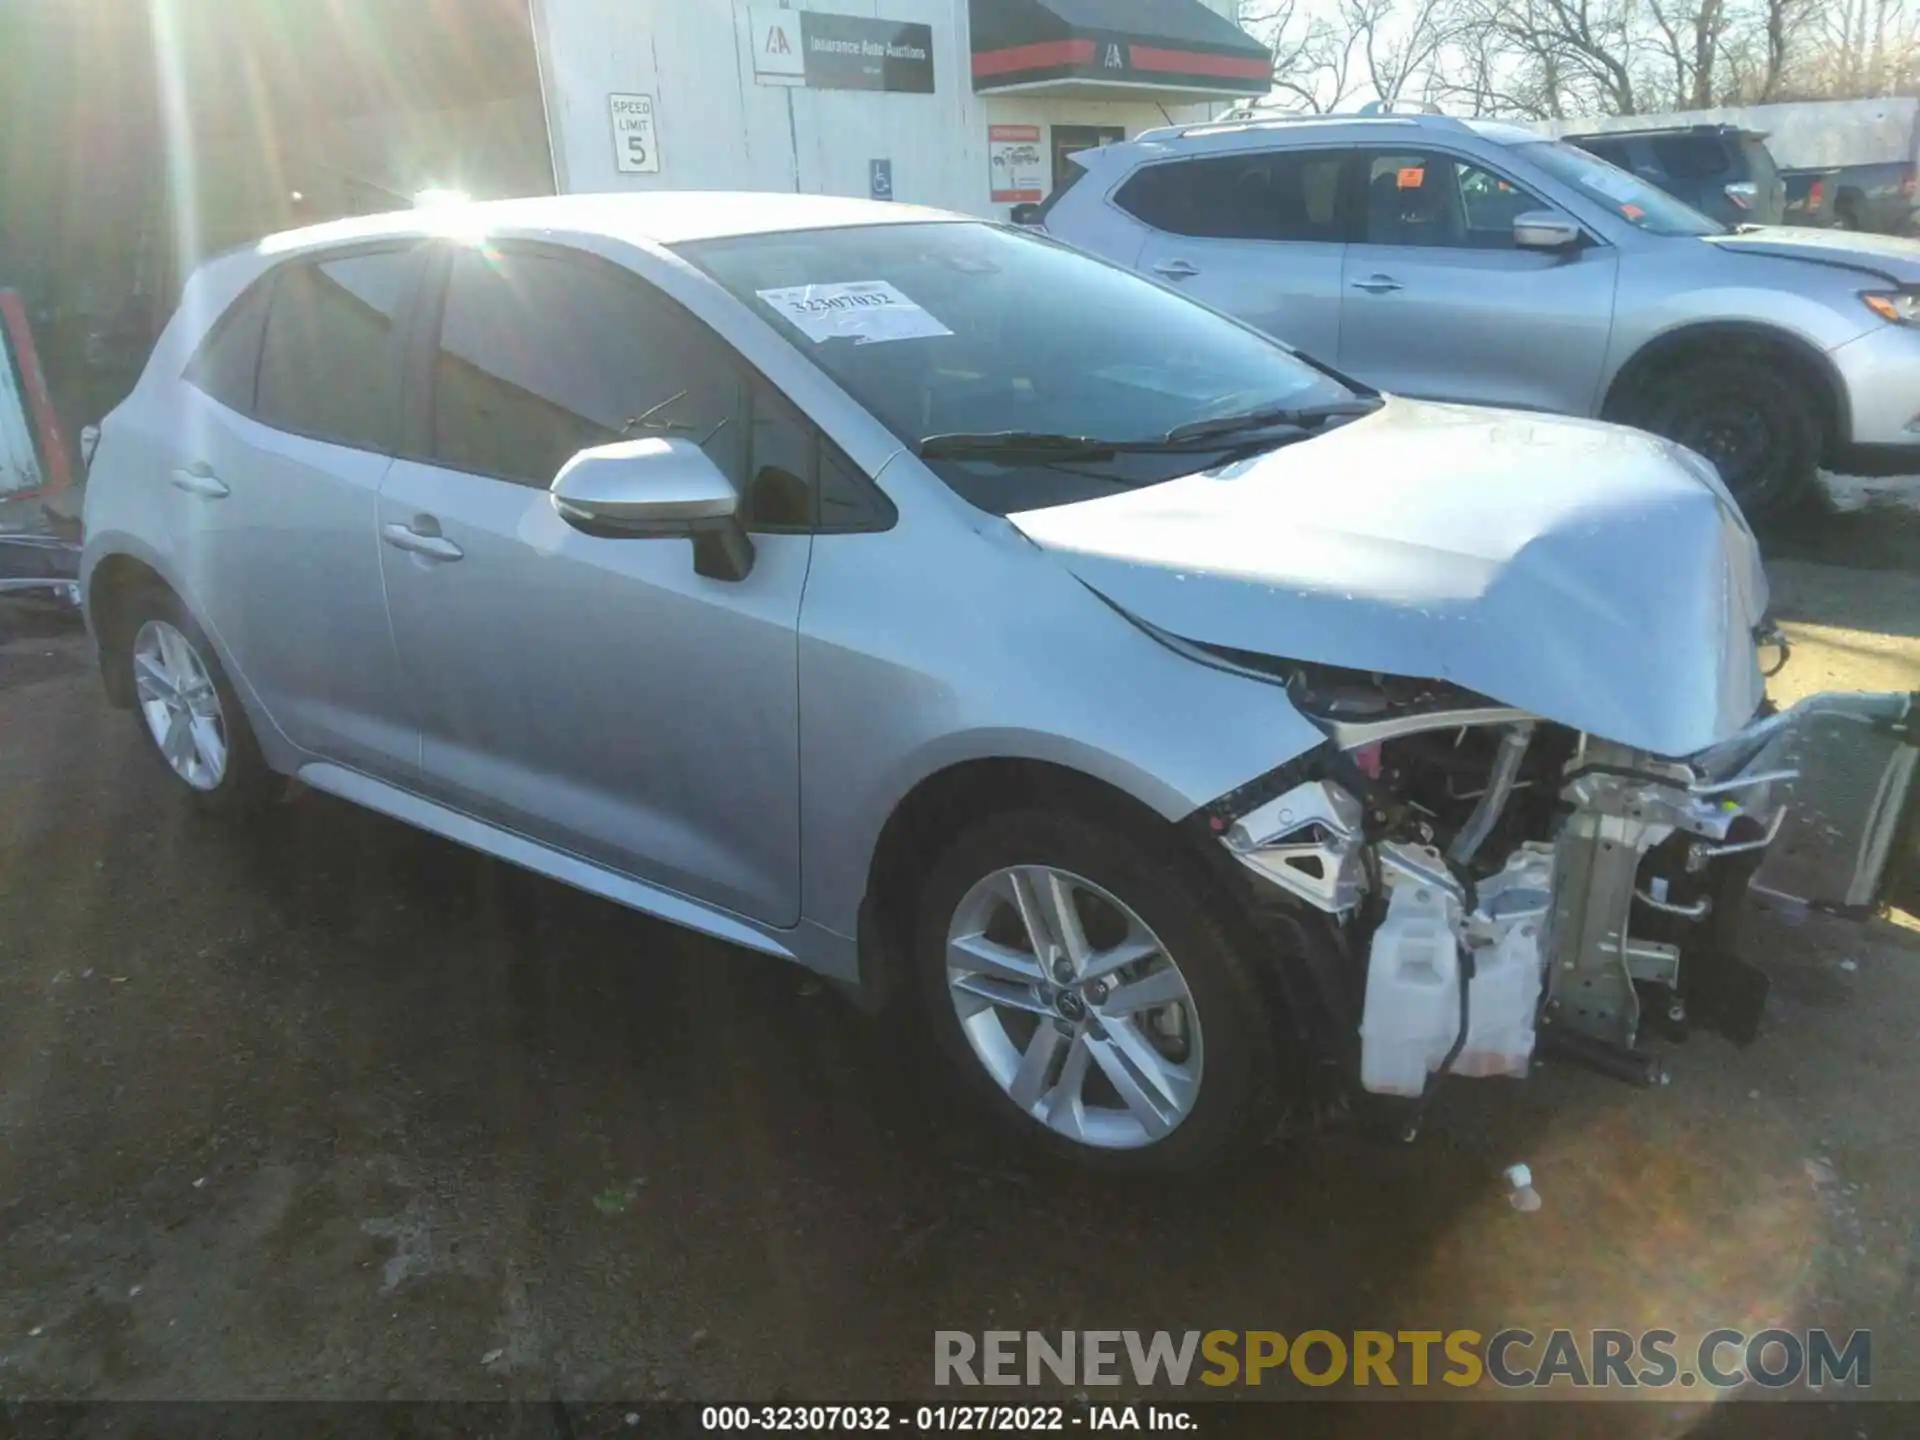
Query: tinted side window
(542,357)
(781,493)
(1428,199)
(329,363)
(1691,157)
(1273,196)
(848,499)
(229,358)
(1614,152)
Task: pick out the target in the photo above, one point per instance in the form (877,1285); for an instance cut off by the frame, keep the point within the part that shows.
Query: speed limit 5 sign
(636,139)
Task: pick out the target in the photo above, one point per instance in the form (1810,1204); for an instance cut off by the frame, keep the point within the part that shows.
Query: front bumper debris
(1623,921)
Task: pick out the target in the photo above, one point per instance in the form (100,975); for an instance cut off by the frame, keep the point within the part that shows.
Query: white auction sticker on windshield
(866,311)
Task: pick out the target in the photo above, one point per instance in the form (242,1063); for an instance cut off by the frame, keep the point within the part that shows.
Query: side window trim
(421,376)
(420,357)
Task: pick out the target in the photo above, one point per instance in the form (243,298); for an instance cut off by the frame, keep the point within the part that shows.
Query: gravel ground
(325,1108)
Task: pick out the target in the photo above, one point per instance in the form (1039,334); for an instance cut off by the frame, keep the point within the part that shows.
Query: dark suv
(1720,170)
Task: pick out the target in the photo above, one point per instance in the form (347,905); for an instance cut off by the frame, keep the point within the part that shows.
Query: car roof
(1722,128)
(656,217)
(1254,132)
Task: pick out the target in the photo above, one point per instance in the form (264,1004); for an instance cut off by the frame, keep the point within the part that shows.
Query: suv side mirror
(1025,213)
(1544,230)
(653,488)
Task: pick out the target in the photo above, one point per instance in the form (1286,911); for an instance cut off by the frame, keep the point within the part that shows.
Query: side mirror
(1544,230)
(1025,213)
(653,488)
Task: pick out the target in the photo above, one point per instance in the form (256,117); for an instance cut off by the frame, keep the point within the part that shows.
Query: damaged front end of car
(1502,885)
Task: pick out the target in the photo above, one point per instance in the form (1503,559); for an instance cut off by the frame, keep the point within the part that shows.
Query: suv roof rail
(1231,121)
(1399,107)
(1696,127)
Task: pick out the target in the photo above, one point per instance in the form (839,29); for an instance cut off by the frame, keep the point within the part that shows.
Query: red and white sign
(1018,163)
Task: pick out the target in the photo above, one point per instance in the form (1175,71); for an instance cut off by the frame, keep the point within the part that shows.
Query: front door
(271,499)
(1072,139)
(1438,301)
(1257,234)
(595,694)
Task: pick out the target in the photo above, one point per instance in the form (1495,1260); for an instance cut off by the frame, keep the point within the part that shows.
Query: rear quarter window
(228,360)
(1693,157)
(1249,195)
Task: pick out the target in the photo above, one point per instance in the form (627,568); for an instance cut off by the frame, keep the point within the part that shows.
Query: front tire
(1754,420)
(1082,983)
(187,711)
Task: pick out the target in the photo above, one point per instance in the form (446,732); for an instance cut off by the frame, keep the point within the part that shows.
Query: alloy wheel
(1074,1007)
(1733,433)
(177,698)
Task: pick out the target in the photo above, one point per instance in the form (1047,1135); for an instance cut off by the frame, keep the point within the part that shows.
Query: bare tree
(1391,47)
(1315,59)
(1690,34)
(1559,58)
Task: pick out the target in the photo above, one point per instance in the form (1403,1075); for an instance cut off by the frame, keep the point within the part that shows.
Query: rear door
(1257,234)
(596,694)
(1439,302)
(288,426)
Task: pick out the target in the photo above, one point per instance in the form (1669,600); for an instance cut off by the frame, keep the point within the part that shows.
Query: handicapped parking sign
(880,179)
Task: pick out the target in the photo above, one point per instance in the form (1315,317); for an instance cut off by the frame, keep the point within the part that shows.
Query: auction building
(283,114)
(970,105)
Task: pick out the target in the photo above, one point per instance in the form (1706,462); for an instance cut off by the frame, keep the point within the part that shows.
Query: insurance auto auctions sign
(841,52)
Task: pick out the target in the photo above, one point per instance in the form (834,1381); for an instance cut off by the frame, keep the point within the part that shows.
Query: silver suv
(1185,727)
(1474,261)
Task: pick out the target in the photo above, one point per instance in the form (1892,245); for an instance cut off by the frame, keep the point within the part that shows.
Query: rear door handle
(198,480)
(1378,284)
(1177,269)
(434,547)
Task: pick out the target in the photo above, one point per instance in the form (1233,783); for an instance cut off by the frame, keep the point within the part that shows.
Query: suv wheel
(1753,419)
(1083,985)
(188,711)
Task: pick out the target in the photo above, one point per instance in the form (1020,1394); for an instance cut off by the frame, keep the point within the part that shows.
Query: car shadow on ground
(1878,536)
(323,1106)
(358,1109)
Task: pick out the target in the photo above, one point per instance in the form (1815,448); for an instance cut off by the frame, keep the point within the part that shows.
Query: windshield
(1646,206)
(969,330)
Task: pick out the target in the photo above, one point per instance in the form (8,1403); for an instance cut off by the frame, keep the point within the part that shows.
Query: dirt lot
(330,1109)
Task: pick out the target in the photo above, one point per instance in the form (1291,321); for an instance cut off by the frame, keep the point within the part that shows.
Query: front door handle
(434,547)
(1378,284)
(1177,269)
(197,479)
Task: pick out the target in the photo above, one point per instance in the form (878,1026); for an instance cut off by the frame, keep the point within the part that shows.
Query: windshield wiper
(1298,417)
(1008,444)
(1223,433)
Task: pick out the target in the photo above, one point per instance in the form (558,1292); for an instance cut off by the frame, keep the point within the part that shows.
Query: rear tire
(190,720)
(1166,1061)
(1752,417)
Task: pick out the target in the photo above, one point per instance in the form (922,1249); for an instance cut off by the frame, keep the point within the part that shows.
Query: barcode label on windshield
(866,311)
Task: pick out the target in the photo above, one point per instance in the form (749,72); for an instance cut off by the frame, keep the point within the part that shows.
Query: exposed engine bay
(1501,882)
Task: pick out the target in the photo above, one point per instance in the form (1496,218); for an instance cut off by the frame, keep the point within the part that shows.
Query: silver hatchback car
(1188,729)
(1477,261)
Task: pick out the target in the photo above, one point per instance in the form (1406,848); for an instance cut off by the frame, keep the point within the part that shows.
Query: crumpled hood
(1584,572)
(1892,256)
